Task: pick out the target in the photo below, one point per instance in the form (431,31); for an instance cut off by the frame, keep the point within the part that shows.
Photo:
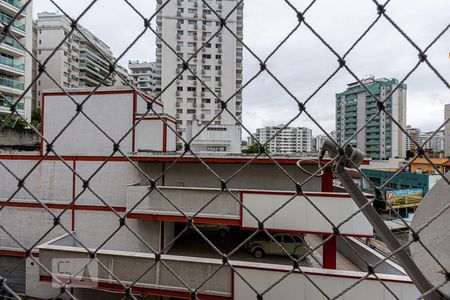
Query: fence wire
(381,11)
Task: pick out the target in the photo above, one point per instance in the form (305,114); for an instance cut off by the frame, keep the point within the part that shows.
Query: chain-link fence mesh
(381,12)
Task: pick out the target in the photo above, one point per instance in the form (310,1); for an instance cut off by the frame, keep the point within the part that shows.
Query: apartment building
(82,61)
(414,133)
(433,141)
(188,26)
(289,140)
(381,138)
(15,62)
(144,76)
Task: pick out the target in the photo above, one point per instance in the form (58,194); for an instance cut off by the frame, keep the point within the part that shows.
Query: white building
(145,77)
(414,133)
(447,130)
(217,138)
(319,139)
(289,140)
(435,142)
(82,61)
(156,220)
(380,138)
(186,26)
(15,62)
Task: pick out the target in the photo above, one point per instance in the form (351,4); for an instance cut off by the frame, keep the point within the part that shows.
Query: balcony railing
(7,19)
(11,63)
(12,83)
(14,3)
(12,42)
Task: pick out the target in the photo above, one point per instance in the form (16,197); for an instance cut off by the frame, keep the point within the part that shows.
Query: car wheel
(222,232)
(258,253)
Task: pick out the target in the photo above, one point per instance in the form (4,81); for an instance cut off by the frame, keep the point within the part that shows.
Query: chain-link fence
(131,288)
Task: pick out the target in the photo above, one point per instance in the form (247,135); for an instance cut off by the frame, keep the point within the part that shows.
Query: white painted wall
(113,113)
(300,215)
(48,181)
(297,286)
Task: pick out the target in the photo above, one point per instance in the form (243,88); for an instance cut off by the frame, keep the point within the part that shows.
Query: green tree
(36,117)
(15,122)
(253,148)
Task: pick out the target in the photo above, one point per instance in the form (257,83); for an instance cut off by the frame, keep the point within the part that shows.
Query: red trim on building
(163,158)
(13,253)
(74,167)
(142,290)
(161,235)
(164,138)
(183,219)
(327,180)
(329,253)
(16,253)
(152,100)
(80,207)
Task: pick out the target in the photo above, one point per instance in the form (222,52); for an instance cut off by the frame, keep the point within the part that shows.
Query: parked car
(293,243)
(220,230)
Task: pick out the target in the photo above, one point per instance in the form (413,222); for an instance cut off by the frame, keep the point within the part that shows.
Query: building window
(191,88)
(216,148)
(179,111)
(191,111)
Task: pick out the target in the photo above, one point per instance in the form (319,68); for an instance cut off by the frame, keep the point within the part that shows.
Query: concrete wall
(19,139)
(298,214)
(298,285)
(28,226)
(188,200)
(253,176)
(192,270)
(112,113)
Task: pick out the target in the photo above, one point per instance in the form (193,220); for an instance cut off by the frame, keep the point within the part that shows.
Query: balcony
(5,61)
(226,210)
(130,264)
(9,41)
(12,84)
(15,3)
(7,19)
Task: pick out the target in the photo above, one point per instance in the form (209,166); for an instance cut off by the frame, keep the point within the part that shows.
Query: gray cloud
(303,62)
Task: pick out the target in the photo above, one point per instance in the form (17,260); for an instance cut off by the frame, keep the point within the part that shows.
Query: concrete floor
(194,245)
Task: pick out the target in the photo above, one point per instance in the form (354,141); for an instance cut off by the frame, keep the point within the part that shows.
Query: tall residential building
(381,138)
(15,62)
(447,129)
(414,133)
(144,76)
(433,141)
(82,61)
(289,140)
(186,26)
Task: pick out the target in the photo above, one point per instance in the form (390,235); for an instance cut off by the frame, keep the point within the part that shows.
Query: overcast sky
(303,62)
